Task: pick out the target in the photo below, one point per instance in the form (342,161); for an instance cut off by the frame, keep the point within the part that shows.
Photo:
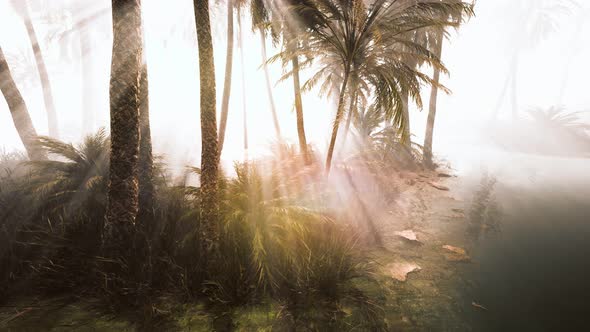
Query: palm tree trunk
(18,110)
(209,152)
(228,73)
(336,124)
(352,106)
(271,100)
(244,106)
(126,67)
(514,86)
(299,107)
(432,110)
(43,75)
(146,161)
(406,133)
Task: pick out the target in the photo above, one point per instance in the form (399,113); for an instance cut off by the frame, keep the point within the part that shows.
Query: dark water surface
(534,275)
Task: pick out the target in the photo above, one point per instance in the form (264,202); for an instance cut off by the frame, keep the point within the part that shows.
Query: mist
(488,235)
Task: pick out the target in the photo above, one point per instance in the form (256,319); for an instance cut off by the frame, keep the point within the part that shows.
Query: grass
(280,265)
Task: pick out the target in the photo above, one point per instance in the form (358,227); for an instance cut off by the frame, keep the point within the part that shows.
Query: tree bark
(338,118)
(126,66)
(351,109)
(209,153)
(271,100)
(228,74)
(18,110)
(43,75)
(299,111)
(432,110)
(244,105)
(146,161)
(406,133)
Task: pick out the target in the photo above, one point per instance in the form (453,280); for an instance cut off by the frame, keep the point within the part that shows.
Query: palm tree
(540,18)
(146,161)
(290,19)
(244,108)
(432,107)
(228,73)
(23,9)
(125,92)
(209,146)
(18,110)
(260,21)
(369,42)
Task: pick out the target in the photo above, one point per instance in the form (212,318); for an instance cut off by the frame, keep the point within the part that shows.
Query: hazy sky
(478,57)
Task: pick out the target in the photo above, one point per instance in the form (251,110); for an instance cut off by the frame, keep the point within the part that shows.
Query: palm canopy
(365,44)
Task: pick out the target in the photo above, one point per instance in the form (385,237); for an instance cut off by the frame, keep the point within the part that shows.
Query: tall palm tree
(368,41)
(432,106)
(146,161)
(260,21)
(23,9)
(125,92)
(229,56)
(244,106)
(537,19)
(289,18)
(209,146)
(18,110)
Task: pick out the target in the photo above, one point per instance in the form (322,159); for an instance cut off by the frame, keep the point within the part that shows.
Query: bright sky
(477,57)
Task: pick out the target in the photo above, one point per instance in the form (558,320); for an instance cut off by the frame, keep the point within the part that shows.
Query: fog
(547,36)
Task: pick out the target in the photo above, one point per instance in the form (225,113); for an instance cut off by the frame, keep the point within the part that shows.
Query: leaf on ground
(479,306)
(400,271)
(439,186)
(408,234)
(456,254)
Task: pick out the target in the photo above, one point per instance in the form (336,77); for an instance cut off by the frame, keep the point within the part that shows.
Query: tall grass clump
(270,248)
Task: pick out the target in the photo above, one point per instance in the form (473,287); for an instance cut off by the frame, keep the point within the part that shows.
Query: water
(535,274)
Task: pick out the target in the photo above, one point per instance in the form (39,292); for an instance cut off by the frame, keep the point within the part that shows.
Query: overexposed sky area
(553,69)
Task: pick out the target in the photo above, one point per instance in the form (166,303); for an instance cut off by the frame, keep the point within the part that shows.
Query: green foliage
(52,219)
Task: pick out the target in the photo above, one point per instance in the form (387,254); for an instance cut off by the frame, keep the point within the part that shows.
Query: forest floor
(419,272)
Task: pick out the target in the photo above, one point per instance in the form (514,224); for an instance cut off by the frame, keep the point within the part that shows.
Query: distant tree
(20,113)
(22,7)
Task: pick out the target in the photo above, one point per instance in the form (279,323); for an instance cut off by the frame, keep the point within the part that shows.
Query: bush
(268,247)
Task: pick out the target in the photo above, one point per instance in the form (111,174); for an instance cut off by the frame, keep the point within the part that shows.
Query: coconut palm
(537,19)
(146,160)
(18,110)
(22,8)
(209,146)
(369,43)
(125,92)
(228,73)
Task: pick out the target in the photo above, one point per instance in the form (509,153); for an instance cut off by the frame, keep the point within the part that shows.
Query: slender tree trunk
(209,152)
(18,110)
(126,67)
(146,161)
(228,73)
(244,106)
(501,97)
(299,108)
(514,87)
(43,75)
(337,119)
(271,100)
(432,110)
(351,110)
(406,133)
